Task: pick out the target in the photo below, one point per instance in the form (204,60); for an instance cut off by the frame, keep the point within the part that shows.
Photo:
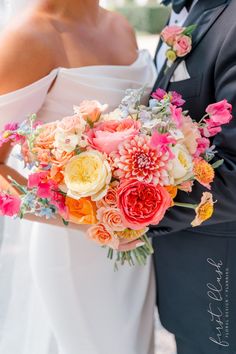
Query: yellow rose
(87,175)
(181,167)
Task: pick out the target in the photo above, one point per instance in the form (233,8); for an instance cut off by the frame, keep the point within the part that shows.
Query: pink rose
(142,204)
(90,110)
(9,205)
(170,33)
(111,217)
(107,136)
(182,45)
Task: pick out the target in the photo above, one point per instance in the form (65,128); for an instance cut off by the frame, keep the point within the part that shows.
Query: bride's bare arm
(23,60)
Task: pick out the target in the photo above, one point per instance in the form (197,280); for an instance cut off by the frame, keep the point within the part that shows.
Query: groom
(196,267)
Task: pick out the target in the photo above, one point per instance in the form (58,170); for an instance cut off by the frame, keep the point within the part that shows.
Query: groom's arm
(224,186)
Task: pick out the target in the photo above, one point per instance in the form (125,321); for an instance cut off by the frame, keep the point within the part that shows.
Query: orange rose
(82,211)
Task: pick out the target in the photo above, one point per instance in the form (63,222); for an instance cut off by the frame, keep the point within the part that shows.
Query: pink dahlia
(138,159)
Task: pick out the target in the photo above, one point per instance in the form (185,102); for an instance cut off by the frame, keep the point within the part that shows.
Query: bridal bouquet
(118,172)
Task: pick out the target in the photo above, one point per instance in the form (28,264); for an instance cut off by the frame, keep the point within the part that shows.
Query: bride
(58,53)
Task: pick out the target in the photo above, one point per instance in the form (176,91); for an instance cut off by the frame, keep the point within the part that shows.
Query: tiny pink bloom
(177,115)
(182,45)
(203,145)
(11,126)
(9,205)
(169,34)
(162,142)
(159,94)
(59,201)
(176,99)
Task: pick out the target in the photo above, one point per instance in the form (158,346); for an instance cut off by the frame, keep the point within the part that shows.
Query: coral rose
(81,211)
(142,204)
(107,136)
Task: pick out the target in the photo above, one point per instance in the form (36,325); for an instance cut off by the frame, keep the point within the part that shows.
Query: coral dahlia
(138,159)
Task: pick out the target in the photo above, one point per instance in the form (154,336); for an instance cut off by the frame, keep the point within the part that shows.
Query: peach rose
(90,110)
(81,211)
(102,236)
(111,217)
(182,45)
(169,34)
(72,125)
(110,199)
(107,136)
(61,158)
(46,136)
(191,134)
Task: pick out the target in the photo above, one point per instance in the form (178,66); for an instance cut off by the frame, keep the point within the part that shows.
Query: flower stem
(186,205)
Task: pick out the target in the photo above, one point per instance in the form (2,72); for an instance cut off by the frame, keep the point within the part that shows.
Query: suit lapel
(204,16)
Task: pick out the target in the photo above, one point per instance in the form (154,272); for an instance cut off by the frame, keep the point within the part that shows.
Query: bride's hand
(126,246)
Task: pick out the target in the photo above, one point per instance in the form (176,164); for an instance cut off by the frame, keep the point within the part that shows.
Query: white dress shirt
(175,19)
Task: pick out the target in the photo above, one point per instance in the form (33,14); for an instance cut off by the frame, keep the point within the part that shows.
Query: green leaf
(217,163)
(66,223)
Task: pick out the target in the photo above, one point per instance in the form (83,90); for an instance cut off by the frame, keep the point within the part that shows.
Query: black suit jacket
(212,68)
(196,267)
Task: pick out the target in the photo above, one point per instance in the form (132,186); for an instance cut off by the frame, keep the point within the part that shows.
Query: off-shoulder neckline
(55,72)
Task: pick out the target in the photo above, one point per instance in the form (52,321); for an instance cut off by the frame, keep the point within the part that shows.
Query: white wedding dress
(77,296)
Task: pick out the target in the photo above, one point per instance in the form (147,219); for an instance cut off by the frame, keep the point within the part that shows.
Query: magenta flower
(9,205)
(174,97)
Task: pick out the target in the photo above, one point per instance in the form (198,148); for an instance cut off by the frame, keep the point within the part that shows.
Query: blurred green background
(145,15)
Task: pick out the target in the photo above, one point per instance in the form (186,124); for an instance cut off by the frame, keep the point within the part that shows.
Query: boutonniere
(179,41)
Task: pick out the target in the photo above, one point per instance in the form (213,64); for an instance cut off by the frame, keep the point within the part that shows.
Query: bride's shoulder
(25,53)
(120,26)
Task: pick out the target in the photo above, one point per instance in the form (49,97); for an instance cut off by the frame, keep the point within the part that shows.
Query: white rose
(181,167)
